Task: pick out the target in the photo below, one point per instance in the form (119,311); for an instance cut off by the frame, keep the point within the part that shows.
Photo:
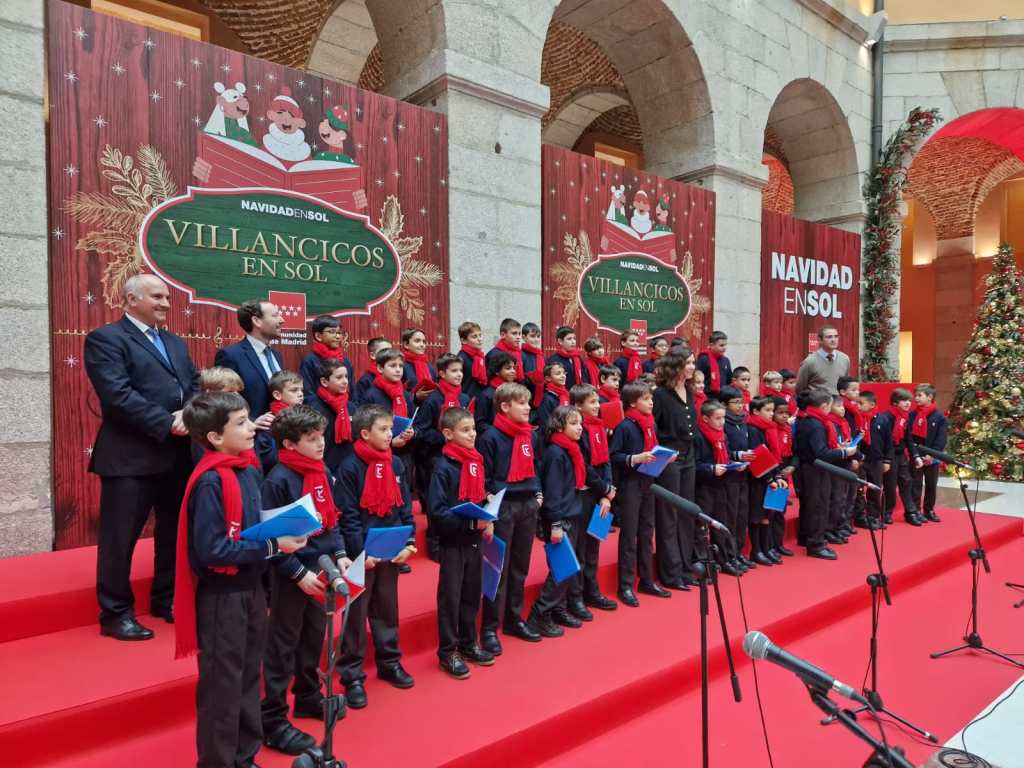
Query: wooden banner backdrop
(329,200)
(810,276)
(624,249)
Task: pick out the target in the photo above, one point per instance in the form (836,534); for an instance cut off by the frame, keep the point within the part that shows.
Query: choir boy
(762,430)
(555,393)
(609,376)
(840,506)
(327,345)
(787,468)
(628,362)
(713,363)
(712,459)
(737,481)
(898,481)
(417,374)
(374,347)
(593,360)
(533,354)
(334,404)
(569,356)
(285,391)
(501,369)
(510,342)
(474,363)
(929,430)
(878,453)
(789,390)
(741,380)
(659,348)
(849,394)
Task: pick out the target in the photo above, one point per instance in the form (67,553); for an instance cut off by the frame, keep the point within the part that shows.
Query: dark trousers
(815,493)
(858,498)
(713,499)
(458,596)
(898,480)
(125,503)
(837,506)
(588,550)
(634,508)
(737,493)
(926,481)
(517,527)
(874,472)
(379,604)
(295,639)
(674,530)
(230,629)
(552,595)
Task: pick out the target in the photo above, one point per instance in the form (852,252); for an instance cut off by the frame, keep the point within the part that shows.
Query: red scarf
(314,482)
(451,395)
(826,421)
(899,424)
(594,368)
(558,391)
(841,426)
(324,352)
(471,478)
(496,382)
(338,404)
(572,447)
(276,406)
(633,365)
(699,398)
(716,439)
(767,391)
(184,578)
(381,492)
(646,424)
(654,357)
(611,394)
(869,419)
(852,406)
(577,364)
(395,392)
(479,369)
(716,375)
(420,364)
(920,428)
(517,355)
(771,434)
(521,465)
(250,455)
(538,354)
(791,399)
(594,427)
(785,435)
(746,397)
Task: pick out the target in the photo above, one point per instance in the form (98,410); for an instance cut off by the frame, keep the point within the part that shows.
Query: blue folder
(776,498)
(735,465)
(401,423)
(600,526)
(488,513)
(294,520)
(562,560)
(855,441)
(661,457)
(494,559)
(386,543)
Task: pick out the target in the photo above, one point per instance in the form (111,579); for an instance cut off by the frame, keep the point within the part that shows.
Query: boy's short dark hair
(652,343)
(846,381)
(292,423)
(559,418)
(900,395)
(626,334)
(926,389)
(281,379)
(786,374)
(802,399)
(633,392)
(592,344)
(819,397)
(725,394)
(608,370)
(760,402)
(710,406)
(869,396)
(497,362)
(248,311)
(509,324)
(550,367)
(563,331)
(209,412)
(446,361)
(450,419)
(510,391)
(367,416)
(738,371)
(467,328)
(385,356)
(780,402)
(323,322)
(329,365)
(529,328)
(580,392)
(717,336)
(373,346)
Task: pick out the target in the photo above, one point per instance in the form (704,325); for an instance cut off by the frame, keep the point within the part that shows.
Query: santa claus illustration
(641,221)
(284,138)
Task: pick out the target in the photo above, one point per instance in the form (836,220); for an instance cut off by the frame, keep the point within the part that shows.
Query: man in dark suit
(143,377)
(253,358)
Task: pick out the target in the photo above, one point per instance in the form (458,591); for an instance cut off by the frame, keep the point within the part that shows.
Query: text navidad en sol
(817,301)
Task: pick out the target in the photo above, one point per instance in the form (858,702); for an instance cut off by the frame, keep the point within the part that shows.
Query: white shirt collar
(258,345)
(825,353)
(139,324)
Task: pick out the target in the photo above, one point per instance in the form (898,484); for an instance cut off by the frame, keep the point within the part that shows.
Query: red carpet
(628,681)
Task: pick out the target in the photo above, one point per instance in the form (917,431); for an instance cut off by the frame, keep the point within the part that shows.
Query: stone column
(26,517)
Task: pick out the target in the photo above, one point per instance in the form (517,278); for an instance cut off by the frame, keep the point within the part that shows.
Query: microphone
(845,474)
(334,578)
(1018,433)
(757,646)
(689,508)
(944,457)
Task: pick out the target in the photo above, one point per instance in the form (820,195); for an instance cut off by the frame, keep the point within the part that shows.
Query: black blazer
(138,391)
(243,360)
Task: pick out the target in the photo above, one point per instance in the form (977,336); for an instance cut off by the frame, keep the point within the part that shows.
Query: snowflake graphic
(81,34)
(71,76)
(196,63)
(149,43)
(179,83)
(418,158)
(225,68)
(71,170)
(197,121)
(380,182)
(154,97)
(271,76)
(258,87)
(58,234)
(89,298)
(70,361)
(310,98)
(187,311)
(327,93)
(301,83)
(100,121)
(118,68)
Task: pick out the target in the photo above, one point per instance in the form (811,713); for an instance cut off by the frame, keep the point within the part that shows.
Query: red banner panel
(810,276)
(624,250)
(232,178)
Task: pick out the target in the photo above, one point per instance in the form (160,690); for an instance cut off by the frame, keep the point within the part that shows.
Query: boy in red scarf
(373,492)
(631,446)
(220,608)
(898,480)
(784,435)
(762,430)
(877,447)
(849,395)
(532,352)
(474,361)
(713,363)
(556,393)
(569,356)
(608,389)
(511,449)
(374,347)
(593,360)
(285,391)
(336,406)
(842,494)
(510,341)
(458,477)
(297,622)
(742,380)
(928,428)
(328,344)
(501,369)
(628,362)
(711,456)
(418,375)
(563,477)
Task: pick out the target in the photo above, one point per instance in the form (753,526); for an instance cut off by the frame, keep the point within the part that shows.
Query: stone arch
(578,112)
(344,42)
(809,127)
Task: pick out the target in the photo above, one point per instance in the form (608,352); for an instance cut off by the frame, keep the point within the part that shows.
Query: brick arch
(282,31)
(577,112)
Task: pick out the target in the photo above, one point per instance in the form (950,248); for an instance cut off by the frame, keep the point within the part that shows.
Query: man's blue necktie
(271,362)
(154,336)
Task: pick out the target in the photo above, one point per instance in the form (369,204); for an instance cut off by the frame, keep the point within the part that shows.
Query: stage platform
(624,689)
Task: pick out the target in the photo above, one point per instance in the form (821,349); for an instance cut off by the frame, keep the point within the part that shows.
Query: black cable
(963,733)
(757,686)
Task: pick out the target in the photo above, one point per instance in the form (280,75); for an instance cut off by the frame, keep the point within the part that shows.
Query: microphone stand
(879,583)
(710,575)
(977,555)
(1018,587)
(322,756)
(849,720)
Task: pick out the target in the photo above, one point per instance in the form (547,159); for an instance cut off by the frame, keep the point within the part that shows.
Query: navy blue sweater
(547,406)
(704,363)
(409,375)
(496,448)
(570,369)
(737,436)
(443,494)
(333,452)
(599,476)
(356,521)
(284,486)
(483,410)
(812,443)
(936,437)
(704,457)
(558,481)
(627,440)
(881,447)
(310,372)
(427,424)
(470,386)
(906,445)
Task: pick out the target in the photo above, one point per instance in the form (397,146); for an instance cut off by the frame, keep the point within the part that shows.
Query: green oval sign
(226,246)
(632,286)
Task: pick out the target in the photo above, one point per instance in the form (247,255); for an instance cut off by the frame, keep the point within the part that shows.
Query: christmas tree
(988,403)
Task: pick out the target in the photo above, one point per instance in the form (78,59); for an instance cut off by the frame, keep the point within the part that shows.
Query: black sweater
(453,530)
(812,443)
(880,447)
(627,440)
(675,423)
(334,452)
(599,477)
(470,386)
(496,448)
(409,376)
(483,410)
(429,440)
(906,445)
(356,521)
(936,437)
(558,481)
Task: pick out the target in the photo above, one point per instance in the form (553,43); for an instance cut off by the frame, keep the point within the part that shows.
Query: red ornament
(1020,445)
(980,394)
(997,469)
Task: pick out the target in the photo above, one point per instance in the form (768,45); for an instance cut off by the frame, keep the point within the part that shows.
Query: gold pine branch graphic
(417,274)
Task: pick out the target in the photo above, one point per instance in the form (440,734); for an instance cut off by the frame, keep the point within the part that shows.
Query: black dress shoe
(784,551)
(680,586)
(832,537)
(396,675)
(355,695)
(650,588)
(739,565)
(931,517)
(289,739)
(887,520)
(455,667)
(822,553)
(600,602)
(167,614)
(489,642)
(523,631)
(775,556)
(544,626)
(404,568)
(731,570)
(762,559)
(563,618)
(861,522)
(628,597)
(126,629)
(475,654)
(579,609)
(914,520)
